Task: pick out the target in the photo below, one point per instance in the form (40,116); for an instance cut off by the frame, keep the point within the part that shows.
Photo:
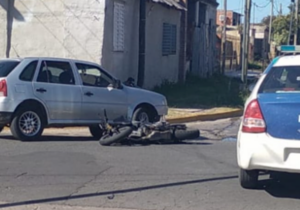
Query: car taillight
(253,120)
(3,88)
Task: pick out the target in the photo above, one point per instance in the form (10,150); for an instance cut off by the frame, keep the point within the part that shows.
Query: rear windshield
(6,67)
(282,79)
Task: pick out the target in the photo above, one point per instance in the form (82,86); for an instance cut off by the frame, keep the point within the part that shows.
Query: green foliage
(280,29)
(254,65)
(198,92)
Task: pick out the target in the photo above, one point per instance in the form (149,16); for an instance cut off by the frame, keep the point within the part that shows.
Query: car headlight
(164,102)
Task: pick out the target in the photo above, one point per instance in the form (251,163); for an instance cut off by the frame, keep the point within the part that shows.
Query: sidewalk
(192,115)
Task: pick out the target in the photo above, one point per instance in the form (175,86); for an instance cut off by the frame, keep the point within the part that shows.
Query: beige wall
(160,67)
(122,64)
(3,6)
(60,28)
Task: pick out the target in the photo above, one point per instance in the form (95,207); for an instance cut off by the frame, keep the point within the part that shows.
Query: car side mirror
(118,84)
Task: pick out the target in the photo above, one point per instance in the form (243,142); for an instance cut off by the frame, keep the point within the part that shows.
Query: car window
(281,79)
(28,72)
(7,66)
(59,72)
(93,76)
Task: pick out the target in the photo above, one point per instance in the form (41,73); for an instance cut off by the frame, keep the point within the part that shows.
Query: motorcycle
(141,132)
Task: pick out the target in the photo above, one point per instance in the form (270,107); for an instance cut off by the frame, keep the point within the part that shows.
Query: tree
(280,29)
(266,20)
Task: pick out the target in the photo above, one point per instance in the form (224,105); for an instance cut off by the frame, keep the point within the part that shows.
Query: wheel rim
(143,117)
(29,123)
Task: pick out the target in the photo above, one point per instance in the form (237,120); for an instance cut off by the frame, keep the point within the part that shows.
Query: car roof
(50,58)
(11,59)
(288,60)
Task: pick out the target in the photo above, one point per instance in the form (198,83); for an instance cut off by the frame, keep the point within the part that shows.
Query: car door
(98,94)
(56,86)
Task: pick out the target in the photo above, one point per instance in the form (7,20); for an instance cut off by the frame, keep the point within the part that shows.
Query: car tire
(30,119)
(96,131)
(248,179)
(145,115)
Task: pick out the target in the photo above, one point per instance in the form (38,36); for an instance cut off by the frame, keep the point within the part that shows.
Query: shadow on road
(61,138)
(284,186)
(48,138)
(115,192)
(148,143)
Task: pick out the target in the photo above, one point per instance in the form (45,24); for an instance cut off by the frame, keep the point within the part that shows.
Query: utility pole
(246,31)
(271,20)
(291,23)
(296,22)
(142,43)
(254,5)
(224,38)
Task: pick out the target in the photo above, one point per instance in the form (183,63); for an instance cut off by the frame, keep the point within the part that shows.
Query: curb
(207,117)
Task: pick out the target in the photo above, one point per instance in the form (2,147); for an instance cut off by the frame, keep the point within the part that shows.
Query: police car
(269,134)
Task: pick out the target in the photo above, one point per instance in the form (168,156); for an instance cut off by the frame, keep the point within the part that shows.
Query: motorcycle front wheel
(115,136)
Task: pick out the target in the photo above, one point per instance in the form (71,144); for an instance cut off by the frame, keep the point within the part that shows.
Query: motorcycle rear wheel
(180,135)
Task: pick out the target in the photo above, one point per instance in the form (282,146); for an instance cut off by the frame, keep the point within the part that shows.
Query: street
(62,171)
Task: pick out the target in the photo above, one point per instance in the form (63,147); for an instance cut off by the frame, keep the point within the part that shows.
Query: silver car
(45,92)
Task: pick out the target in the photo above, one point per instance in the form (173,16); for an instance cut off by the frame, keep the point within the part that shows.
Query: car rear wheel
(248,179)
(27,124)
(96,131)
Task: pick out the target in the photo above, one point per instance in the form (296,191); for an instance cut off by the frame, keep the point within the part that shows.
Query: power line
(264,6)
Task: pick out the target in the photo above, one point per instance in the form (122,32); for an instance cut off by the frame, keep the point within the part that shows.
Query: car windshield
(282,79)
(6,67)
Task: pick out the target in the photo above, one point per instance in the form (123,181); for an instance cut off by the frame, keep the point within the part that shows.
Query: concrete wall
(158,67)
(60,28)
(72,29)
(84,30)
(122,64)
(3,25)
(211,14)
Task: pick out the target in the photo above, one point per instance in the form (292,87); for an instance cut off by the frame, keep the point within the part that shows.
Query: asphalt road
(64,172)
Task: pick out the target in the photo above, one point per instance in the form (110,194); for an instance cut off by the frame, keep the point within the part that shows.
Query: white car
(43,92)
(269,134)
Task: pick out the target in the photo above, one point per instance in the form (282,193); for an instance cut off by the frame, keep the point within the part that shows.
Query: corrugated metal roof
(179,4)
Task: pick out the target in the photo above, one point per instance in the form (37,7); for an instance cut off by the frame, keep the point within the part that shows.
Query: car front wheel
(248,179)
(144,115)
(27,124)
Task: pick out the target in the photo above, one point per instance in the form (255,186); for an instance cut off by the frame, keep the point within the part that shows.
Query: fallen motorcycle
(159,132)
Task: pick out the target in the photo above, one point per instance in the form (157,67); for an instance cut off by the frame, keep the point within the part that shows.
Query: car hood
(146,96)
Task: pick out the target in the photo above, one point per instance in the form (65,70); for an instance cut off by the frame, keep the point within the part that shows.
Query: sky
(262,9)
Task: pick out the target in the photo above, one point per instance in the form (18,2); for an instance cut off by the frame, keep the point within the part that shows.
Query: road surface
(65,172)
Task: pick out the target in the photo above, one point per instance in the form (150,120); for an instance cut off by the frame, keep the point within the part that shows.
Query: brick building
(233,18)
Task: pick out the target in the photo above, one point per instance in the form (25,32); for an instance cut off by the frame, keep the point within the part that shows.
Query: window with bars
(169,41)
(119,26)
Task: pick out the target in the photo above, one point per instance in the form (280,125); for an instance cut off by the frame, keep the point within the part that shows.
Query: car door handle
(88,94)
(41,90)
